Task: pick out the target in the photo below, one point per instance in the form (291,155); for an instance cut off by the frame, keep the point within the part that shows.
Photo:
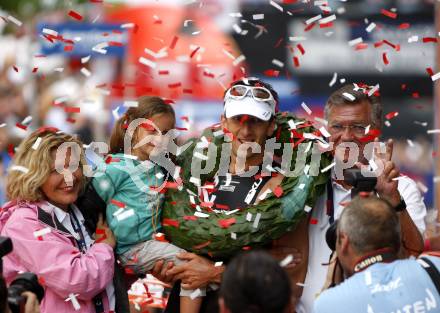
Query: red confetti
(390,44)
(117,203)
(430,71)
(173,43)
(309,27)
(391,115)
(175,85)
(313,221)
(15,68)
(170,222)
(361,46)
(271,73)
(202,245)
(301,48)
(194,52)
(416,95)
(429,39)
(388,13)
(75,15)
(72,109)
(296,61)
(164,72)
(404,26)
(385,58)
(35,69)
(370,136)
(226,223)
(278,43)
(222,207)
(70,120)
(21,126)
(326,25)
(278,191)
(190,218)
(68,48)
(188,91)
(289,1)
(115,44)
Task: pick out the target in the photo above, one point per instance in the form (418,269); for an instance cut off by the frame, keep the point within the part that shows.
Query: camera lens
(23,282)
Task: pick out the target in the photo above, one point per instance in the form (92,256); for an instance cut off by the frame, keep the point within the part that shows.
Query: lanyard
(385,255)
(77,228)
(97,300)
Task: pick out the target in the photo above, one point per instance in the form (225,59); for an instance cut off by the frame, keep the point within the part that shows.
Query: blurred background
(78,65)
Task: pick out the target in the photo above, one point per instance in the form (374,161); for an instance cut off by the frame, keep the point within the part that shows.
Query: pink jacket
(55,258)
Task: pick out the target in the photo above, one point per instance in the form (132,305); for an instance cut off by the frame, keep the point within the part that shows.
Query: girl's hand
(104,233)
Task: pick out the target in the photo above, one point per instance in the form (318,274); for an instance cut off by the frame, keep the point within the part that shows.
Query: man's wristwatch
(401,206)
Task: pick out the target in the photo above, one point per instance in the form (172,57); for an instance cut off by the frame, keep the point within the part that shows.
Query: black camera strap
(81,242)
(431,270)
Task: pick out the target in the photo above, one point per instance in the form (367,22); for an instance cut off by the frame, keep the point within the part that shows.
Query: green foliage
(277,215)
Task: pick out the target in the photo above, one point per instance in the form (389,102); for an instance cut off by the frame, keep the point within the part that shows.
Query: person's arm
(196,272)
(61,265)
(387,188)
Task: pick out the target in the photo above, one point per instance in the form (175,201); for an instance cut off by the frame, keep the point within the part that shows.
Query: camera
(23,282)
(360,183)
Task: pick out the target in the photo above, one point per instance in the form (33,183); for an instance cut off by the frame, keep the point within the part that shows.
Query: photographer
(32,304)
(367,245)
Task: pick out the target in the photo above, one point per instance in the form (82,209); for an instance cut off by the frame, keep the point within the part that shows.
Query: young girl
(133,210)
(47,229)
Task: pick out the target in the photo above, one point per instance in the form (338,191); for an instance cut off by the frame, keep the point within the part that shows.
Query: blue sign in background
(90,34)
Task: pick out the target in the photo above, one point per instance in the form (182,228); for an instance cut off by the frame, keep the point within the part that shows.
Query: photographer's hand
(32,305)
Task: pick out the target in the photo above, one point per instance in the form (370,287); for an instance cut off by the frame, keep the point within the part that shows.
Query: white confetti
(307,208)
(276,5)
(410,143)
(42,232)
(14,20)
(433,131)
(200,214)
(355,41)
(277,63)
(258,17)
(234,236)
(85,72)
(313,19)
(306,108)
(50,32)
(36,143)
(333,81)
(237,28)
(370,27)
(19,168)
(256,221)
(147,62)
(195,181)
(435,77)
(72,298)
(124,215)
(297,38)
(85,59)
(325,169)
(238,60)
(235,14)
(286,261)
(327,19)
(100,48)
(249,217)
(131,104)
(127,25)
(413,39)
(324,132)
(373,90)
(348,96)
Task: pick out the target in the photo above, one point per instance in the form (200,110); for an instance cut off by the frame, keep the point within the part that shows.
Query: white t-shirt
(319,252)
(64,218)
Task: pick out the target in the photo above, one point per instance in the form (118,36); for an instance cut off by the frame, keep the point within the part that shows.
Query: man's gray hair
(342,97)
(370,224)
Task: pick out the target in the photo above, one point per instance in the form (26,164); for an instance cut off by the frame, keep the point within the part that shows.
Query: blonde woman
(47,229)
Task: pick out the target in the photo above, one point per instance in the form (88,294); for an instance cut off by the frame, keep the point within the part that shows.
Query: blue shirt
(399,287)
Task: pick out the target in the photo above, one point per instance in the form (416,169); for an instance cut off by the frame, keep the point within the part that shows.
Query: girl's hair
(38,163)
(146,108)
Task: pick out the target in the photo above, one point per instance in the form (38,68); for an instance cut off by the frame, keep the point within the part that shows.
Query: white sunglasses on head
(258,93)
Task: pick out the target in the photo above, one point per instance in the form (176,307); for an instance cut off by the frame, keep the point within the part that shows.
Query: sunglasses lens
(261,93)
(238,91)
